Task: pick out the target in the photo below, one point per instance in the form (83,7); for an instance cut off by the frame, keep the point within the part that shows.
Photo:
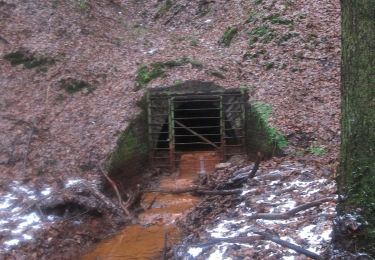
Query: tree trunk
(356,178)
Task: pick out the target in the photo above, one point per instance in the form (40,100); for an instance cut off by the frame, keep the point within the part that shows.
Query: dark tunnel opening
(201,115)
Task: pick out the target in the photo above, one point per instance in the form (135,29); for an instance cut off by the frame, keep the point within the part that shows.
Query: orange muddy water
(146,240)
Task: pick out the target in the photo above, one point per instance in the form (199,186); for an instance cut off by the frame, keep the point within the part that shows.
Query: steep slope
(55,127)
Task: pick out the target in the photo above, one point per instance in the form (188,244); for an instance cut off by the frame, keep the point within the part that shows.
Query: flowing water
(146,240)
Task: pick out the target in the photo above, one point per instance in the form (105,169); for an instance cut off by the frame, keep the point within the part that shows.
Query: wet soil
(156,225)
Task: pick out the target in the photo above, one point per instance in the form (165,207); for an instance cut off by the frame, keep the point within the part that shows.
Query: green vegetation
(257,2)
(269,65)
(276,19)
(163,9)
(261,136)
(83,6)
(251,17)
(72,86)
(194,42)
(131,153)
(28,59)
(228,36)
(261,33)
(147,73)
(317,150)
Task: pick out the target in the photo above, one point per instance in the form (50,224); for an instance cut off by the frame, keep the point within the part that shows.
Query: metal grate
(180,122)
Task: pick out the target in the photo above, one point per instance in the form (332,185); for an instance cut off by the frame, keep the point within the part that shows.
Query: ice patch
(219,253)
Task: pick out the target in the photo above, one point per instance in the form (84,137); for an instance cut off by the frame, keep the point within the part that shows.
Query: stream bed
(146,239)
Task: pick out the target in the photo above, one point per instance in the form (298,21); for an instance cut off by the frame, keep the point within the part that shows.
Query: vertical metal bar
(243,117)
(172,152)
(150,139)
(222,129)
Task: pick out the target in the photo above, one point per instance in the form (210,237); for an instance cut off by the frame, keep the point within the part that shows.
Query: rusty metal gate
(181,122)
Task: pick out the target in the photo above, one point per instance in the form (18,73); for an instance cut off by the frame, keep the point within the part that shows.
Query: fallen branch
(256,166)
(292,212)
(198,190)
(261,236)
(297,248)
(114,187)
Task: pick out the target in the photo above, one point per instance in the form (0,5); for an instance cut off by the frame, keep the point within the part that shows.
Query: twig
(32,130)
(114,187)
(292,212)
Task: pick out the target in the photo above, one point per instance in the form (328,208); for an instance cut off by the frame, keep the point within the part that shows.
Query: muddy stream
(146,239)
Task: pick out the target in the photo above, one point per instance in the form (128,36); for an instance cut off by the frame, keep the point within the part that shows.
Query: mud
(156,225)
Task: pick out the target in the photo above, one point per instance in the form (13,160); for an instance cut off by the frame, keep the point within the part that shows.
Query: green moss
(317,150)
(261,136)
(216,74)
(147,73)
(163,8)
(261,33)
(269,66)
(131,153)
(276,19)
(28,59)
(251,17)
(72,86)
(228,36)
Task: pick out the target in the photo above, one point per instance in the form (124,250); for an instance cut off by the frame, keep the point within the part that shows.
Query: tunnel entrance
(197,117)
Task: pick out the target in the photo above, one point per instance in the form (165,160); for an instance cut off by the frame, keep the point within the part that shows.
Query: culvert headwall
(195,116)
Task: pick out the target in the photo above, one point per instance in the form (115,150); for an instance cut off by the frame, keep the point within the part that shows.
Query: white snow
(12,242)
(195,251)
(72,182)
(46,191)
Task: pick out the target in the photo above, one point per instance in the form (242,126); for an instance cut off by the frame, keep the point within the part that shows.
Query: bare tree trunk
(356,178)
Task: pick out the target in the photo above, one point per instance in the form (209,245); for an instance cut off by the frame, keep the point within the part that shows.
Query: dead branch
(256,166)
(292,212)
(297,248)
(199,191)
(261,236)
(114,187)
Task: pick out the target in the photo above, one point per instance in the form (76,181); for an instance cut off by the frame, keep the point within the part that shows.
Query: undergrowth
(147,73)
(29,60)
(72,86)
(228,36)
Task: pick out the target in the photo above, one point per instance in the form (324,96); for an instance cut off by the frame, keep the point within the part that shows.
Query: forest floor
(73,90)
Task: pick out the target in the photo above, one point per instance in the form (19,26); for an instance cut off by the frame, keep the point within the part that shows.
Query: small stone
(222,166)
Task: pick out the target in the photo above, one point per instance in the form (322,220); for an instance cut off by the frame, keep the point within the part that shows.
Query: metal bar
(197,109)
(193,143)
(197,100)
(150,141)
(202,134)
(222,128)
(198,117)
(198,135)
(199,127)
(172,146)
